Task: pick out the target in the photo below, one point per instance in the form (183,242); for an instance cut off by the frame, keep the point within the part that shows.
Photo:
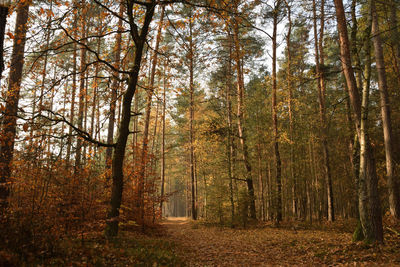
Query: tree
(145,141)
(114,89)
(391,166)
(240,111)
(139,38)
(369,205)
(278,163)
(3,20)
(319,61)
(9,123)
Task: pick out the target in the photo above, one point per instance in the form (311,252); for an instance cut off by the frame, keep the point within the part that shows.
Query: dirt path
(213,246)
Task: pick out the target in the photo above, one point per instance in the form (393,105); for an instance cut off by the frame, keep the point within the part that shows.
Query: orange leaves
(25,127)
(10,35)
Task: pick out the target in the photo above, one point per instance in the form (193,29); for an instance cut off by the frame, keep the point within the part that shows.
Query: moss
(358,234)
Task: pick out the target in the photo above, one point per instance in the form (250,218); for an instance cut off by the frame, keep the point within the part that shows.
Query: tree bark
(114,89)
(290,108)
(319,61)
(191,120)
(145,140)
(9,123)
(391,168)
(240,115)
(73,93)
(139,38)
(278,163)
(3,21)
(82,89)
(369,205)
(164,104)
(93,132)
(228,92)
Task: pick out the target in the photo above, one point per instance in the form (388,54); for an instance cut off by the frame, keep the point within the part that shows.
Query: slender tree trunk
(164,104)
(191,120)
(9,123)
(95,86)
(319,60)
(3,21)
(363,168)
(240,116)
(278,163)
(42,131)
(290,107)
(228,103)
(73,93)
(369,204)
(354,145)
(62,130)
(123,129)
(114,89)
(391,168)
(82,89)
(145,141)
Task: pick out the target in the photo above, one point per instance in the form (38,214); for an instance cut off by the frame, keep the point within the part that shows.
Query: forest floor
(201,245)
(183,242)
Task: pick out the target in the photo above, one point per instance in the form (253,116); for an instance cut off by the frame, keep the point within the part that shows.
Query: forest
(199,132)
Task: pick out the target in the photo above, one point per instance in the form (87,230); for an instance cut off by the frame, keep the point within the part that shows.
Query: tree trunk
(164,104)
(391,168)
(145,140)
(278,163)
(354,145)
(82,90)
(95,87)
(319,61)
(240,116)
(114,89)
(369,205)
(123,129)
(228,103)
(3,21)
(191,120)
(9,123)
(290,107)
(73,93)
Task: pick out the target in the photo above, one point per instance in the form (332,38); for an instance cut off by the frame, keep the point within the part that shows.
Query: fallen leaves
(215,246)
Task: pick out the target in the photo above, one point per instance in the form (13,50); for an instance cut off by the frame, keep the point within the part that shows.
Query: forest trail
(198,245)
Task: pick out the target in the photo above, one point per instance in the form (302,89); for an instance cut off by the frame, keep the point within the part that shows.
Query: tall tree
(319,61)
(278,163)
(369,204)
(191,119)
(9,123)
(230,149)
(114,87)
(290,105)
(139,36)
(82,88)
(164,106)
(3,20)
(391,167)
(150,92)
(238,56)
